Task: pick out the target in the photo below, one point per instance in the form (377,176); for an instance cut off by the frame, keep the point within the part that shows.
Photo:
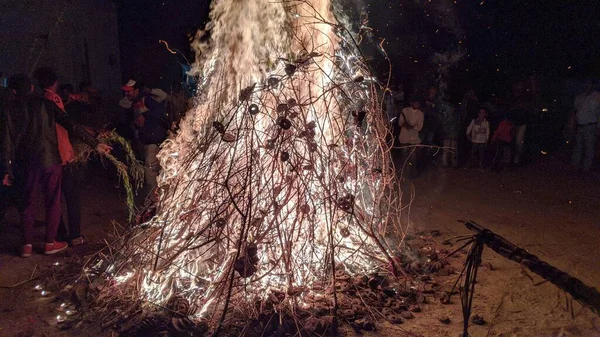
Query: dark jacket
(13,121)
(31,131)
(154,130)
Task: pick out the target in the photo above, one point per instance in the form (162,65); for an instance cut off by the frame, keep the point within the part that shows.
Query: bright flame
(270,201)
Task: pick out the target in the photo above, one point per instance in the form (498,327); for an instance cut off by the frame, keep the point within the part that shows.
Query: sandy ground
(545,208)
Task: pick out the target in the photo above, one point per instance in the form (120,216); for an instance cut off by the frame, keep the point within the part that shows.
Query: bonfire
(280,179)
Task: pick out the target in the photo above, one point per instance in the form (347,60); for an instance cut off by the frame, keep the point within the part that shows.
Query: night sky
(501,41)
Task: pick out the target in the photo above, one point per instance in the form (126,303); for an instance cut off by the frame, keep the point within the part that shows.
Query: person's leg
(72,183)
(28,206)
(454,153)
(51,178)
(589,136)
(519,142)
(481,154)
(151,167)
(407,160)
(472,155)
(63,229)
(446,158)
(5,194)
(506,154)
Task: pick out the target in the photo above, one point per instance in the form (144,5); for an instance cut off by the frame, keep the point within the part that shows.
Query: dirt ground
(545,207)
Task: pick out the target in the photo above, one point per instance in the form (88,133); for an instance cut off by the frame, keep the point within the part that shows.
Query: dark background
(502,41)
(142,23)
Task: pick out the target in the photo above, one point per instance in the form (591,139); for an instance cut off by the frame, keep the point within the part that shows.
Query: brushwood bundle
(279,178)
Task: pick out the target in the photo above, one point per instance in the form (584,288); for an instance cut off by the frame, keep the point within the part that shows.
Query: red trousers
(49,180)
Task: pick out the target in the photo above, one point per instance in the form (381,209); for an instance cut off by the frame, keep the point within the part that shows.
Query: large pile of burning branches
(280,179)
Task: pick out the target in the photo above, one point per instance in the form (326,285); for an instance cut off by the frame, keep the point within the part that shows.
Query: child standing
(478,133)
(502,138)
(450,132)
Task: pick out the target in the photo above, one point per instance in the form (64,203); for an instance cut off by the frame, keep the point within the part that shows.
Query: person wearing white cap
(148,111)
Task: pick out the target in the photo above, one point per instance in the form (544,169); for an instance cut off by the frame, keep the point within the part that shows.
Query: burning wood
(279,187)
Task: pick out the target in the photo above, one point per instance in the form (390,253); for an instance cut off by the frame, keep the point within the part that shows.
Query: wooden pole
(586,295)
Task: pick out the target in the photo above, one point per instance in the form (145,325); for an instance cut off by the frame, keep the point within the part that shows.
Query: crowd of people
(429,130)
(44,132)
(47,129)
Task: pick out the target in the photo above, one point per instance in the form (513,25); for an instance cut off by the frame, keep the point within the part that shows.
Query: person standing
(410,122)
(150,126)
(391,108)
(587,114)
(79,109)
(72,176)
(450,131)
(36,141)
(12,123)
(468,109)
(40,146)
(176,107)
(520,114)
(502,138)
(478,133)
(433,120)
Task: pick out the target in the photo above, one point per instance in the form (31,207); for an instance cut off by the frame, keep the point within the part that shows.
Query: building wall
(77,38)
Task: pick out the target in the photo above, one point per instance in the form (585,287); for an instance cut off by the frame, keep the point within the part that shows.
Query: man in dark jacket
(38,143)
(151,131)
(11,190)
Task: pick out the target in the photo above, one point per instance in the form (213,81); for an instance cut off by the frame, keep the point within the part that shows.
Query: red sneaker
(26,250)
(55,247)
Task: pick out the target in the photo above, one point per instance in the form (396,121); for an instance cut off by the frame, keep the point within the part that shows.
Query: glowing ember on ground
(280,174)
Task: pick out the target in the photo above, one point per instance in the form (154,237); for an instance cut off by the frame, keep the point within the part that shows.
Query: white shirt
(588,108)
(411,122)
(479,132)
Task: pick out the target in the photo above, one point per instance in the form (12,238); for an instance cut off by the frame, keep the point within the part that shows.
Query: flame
(282,204)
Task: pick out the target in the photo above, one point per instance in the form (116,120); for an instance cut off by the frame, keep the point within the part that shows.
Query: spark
(167,46)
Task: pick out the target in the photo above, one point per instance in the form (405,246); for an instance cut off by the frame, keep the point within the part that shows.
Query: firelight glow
(280,174)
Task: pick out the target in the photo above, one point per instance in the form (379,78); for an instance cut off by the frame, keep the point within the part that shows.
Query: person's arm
(76,129)
(158,94)
(419,122)
(487,131)
(155,108)
(598,109)
(470,128)
(73,128)
(401,119)
(495,135)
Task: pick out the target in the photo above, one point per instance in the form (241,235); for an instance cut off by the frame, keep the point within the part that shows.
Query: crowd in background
(46,130)
(497,133)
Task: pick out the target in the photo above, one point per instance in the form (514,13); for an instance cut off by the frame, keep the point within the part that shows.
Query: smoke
(444,62)
(442,15)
